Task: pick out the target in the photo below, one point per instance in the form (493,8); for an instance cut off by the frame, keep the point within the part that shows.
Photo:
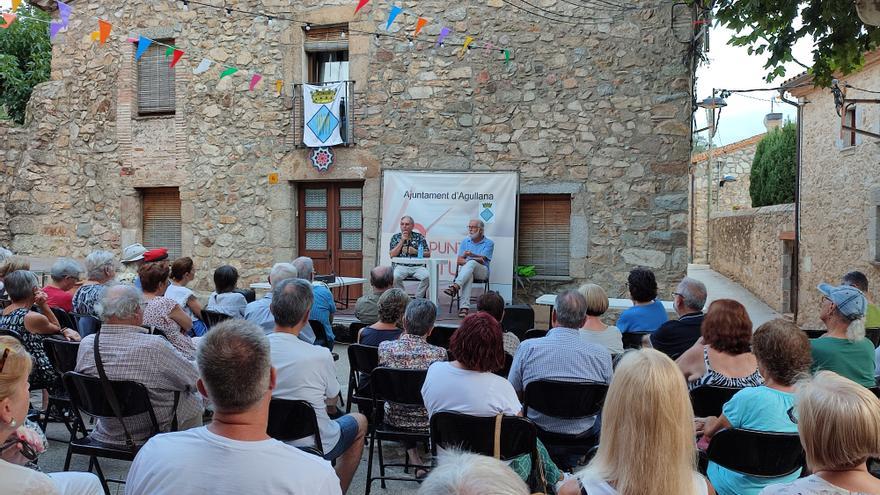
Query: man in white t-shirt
(306,372)
(233,454)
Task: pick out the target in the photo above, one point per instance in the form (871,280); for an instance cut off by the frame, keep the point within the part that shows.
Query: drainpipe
(796,266)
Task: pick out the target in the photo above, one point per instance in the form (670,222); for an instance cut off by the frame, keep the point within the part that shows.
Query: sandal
(451,291)
(463,312)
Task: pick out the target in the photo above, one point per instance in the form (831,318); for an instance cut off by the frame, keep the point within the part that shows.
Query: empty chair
(757,453)
(534,334)
(709,399)
(518,318)
(294,419)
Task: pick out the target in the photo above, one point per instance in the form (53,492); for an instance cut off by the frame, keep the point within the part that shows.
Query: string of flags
(175,54)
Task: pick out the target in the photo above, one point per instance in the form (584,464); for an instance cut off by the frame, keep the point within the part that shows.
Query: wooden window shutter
(155,81)
(326,38)
(544,233)
(162,220)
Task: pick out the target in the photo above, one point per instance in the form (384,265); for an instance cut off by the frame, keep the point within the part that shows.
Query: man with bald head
(258,312)
(676,336)
(406,244)
(366,309)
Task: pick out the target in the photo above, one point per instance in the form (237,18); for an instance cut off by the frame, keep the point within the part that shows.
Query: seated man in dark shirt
(676,336)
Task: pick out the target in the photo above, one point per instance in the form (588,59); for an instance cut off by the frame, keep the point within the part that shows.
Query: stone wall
(750,247)
(600,111)
(840,193)
(733,159)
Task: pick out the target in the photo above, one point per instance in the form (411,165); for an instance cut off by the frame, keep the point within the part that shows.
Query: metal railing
(346,113)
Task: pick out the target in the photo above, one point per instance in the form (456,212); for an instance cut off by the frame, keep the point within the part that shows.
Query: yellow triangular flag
(15,4)
(278,85)
(96,36)
(464,47)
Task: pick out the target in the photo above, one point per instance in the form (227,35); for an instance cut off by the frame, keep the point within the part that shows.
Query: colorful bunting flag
(95,35)
(443,34)
(203,66)
(420,23)
(64,13)
(506,56)
(15,4)
(228,72)
(361,4)
(9,18)
(254,80)
(395,11)
(176,57)
(467,41)
(54,27)
(104,28)
(143,44)
(168,51)
(278,85)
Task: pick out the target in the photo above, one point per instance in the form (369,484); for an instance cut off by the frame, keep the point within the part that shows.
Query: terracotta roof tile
(730,148)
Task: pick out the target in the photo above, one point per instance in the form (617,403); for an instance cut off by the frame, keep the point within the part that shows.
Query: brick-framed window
(155,81)
(162,222)
(545,233)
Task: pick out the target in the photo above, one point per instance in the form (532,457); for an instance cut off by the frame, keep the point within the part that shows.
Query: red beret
(157,254)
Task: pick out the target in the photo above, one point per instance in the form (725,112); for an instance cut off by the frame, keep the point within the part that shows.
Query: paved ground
(720,287)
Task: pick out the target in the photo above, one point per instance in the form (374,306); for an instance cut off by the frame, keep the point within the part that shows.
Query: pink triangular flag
(9,17)
(254,81)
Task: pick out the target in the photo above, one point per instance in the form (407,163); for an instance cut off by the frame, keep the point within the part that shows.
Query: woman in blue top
(783,354)
(646,313)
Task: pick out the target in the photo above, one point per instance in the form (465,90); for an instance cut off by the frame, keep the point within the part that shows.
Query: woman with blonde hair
(647,417)
(594,330)
(839,426)
(19,445)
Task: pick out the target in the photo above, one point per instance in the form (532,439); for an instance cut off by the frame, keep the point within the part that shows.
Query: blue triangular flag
(143,44)
(395,11)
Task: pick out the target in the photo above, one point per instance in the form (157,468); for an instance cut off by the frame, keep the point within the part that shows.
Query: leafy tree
(774,168)
(770,27)
(700,144)
(25,60)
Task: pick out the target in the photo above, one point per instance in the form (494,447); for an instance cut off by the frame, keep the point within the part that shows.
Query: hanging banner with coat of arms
(322,118)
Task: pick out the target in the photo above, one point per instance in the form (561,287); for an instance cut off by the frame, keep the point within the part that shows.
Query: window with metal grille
(155,78)
(162,222)
(544,233)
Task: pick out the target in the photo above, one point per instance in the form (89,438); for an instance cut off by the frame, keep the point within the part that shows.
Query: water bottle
(421,250)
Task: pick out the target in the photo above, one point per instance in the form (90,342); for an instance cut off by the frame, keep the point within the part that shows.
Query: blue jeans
(348,429)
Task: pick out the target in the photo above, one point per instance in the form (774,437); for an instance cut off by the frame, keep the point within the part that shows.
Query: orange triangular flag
(175,57)
(104,28)
(15,4)
(9,17)
(419,25)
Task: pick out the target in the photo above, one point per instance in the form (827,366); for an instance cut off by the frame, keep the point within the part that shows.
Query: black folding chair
(709,399)
(633,340)
(250,295)
(534,334)
(456,299)
(11,333)
(814,333)
(757,453)
(292,420)
(62,356)
(362,360)
(441,336)
(403,387)
(353,330)
(87,396)
(65,319)
(212,318)
(508,362)
(321,338)
(581,400)
(86,324)
(518,318)
(873,334)
(452,430)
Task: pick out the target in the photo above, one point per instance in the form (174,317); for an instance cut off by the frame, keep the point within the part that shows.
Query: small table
(433,266)
(613,303)
(346,282)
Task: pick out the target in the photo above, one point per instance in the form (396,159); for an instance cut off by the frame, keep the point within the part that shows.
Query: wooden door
(331,230)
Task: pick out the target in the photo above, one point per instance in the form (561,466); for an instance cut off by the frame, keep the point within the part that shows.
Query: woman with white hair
(844,348)
(65,275)
(100,271)
(464,473)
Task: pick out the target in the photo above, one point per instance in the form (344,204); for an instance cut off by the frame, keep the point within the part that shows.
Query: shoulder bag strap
(496,449)
(110,393)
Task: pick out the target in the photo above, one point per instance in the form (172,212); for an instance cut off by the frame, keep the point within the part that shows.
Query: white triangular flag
(204,65)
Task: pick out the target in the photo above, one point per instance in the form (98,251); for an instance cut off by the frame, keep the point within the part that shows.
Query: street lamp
(710,104)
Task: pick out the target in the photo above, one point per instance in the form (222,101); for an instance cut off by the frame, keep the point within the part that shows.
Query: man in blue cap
(844,348)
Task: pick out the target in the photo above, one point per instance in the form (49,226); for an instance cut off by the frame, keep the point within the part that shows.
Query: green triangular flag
(506,56)
(228,72)
(169,51)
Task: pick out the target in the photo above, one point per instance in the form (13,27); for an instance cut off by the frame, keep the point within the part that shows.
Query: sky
(731,67)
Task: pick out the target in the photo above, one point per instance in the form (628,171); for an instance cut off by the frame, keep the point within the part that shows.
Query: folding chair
(441,336)
(518,318)
(534,334)
(86,324)
(212,318)
(400,386)
(292,420)
(505,370)
(709,399)
(456,299)
(757,453)
(362,360)
(65,319)
(633,340)
(873,334)
(517,436)
(62,356)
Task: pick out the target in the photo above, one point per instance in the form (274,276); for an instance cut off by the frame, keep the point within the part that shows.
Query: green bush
(25,60)
(774,168)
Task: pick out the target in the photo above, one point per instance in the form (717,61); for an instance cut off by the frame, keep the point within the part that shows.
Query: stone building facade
(598,112)
(839,189)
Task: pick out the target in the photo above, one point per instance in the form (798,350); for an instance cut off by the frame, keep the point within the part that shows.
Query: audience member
(491,302)
(411,351)
(464,473)
(5,254)
(647,445)
(647,313)
(392,305)
(469,386)
(675,337)
(24,292)
(844,348)
(233,454)
(594,330)
(860,281)
(783,354)
(100,272)
(129,352)
(162,312)
(183,271)
(225,299)
(366,309)
(15,367)
(474,255)
(65,274)
(562,355)
(11,264)
(258,312)
(324,305)
(306,372)
(132,259)
(722,357)
(410,244)
(839,426)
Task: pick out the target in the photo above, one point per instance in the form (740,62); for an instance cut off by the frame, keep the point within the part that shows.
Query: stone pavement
(720,287)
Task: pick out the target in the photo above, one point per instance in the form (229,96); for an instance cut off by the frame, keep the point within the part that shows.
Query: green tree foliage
(774,168)
(25,60)
(773,26)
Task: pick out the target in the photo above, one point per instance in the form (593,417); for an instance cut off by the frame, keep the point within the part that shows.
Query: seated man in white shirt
(258,312)
(233,454)
(306,372)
